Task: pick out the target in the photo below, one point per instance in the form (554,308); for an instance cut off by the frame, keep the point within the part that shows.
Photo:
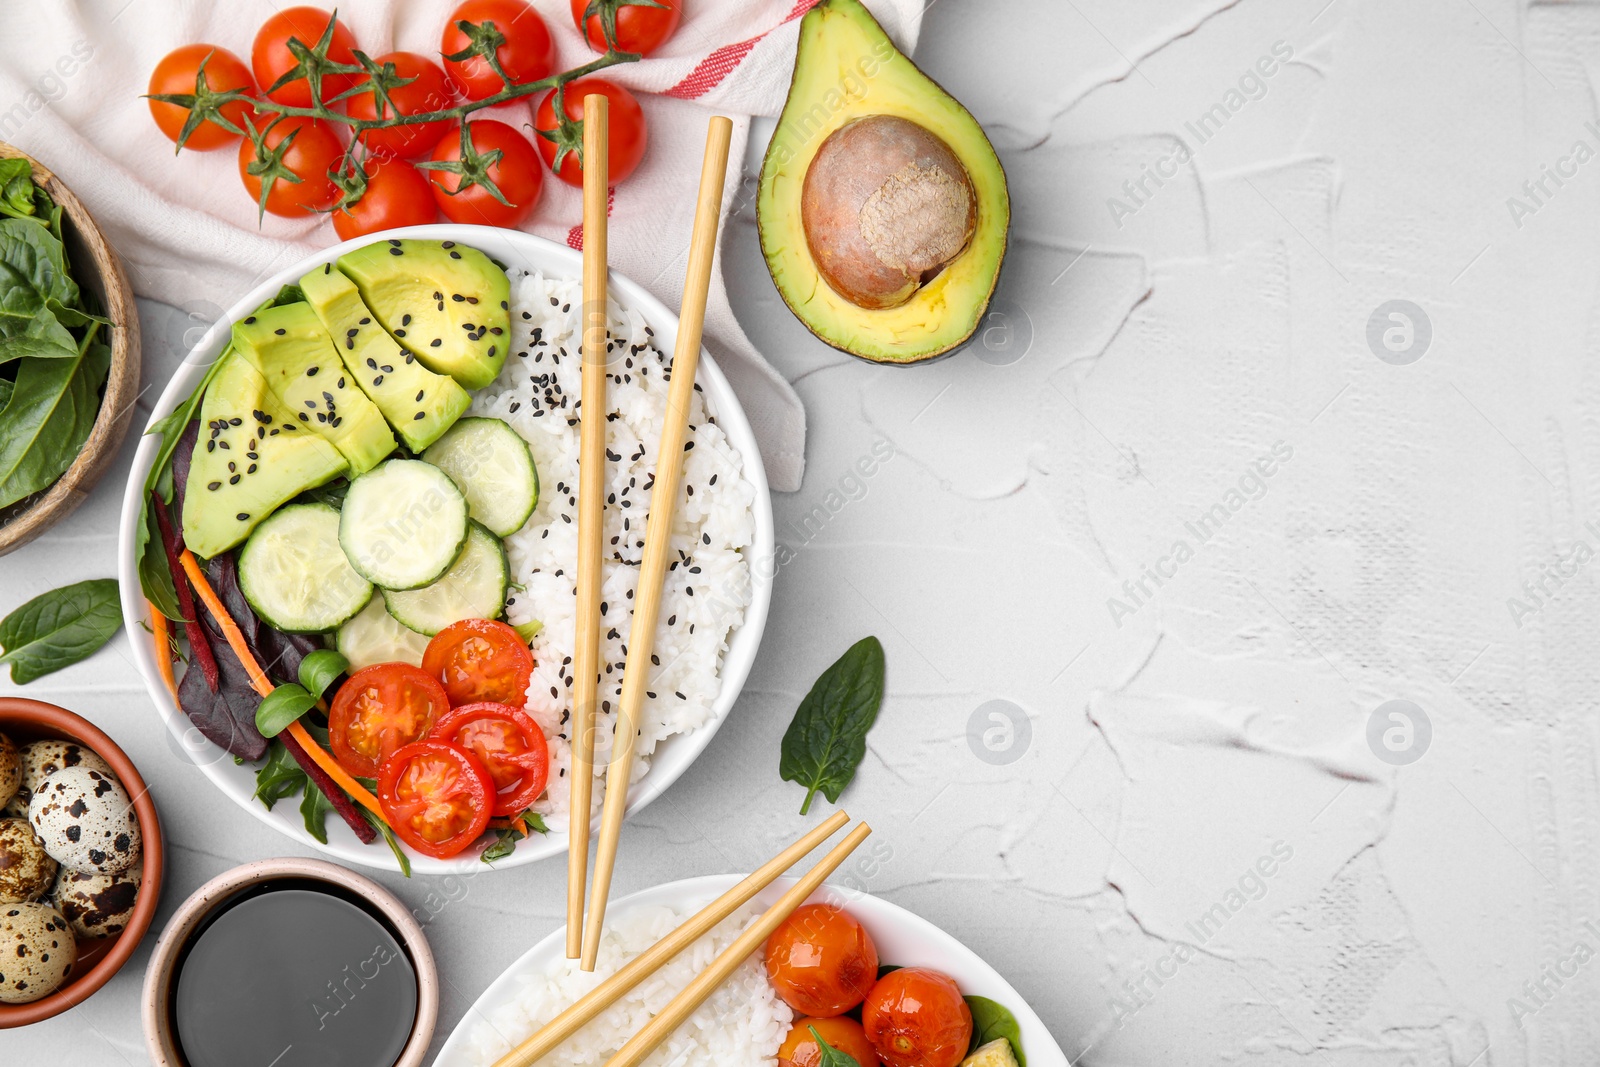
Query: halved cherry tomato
(800,1049)
(480,660)
(380,709)
(508,743)
(315,150)
(821,961)
(641,28)
(528,54)
(428,92)
(397,195)
(916,1017)
(517,175)
(271,59)
(625,124)
(436,797)
(176,74)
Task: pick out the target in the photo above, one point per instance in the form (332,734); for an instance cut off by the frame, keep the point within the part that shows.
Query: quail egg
(10,769)
(37,951)
(43,758)
(86,821)
(97,905)
(26,870)
(17,806)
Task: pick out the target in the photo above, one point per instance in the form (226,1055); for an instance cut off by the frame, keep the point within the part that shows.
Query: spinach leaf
(282,706)
(319,669)
(314,808)
(16,188)
(279,777)
(59,628)
(53,406)
(992,1021)
(156,581)
(33,271)
(831,1057)
(828,738)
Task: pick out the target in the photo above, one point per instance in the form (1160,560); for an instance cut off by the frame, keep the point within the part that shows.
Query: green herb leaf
(33,270)
(528,630)
(281,707)
(388,835)
(319,669)
(314,808)
(506,839)
(992,1021)
(59,628)
(16,188)
(156,581)
(289,294)
(53,406)
(831,1057)
(279,777)
(828,738)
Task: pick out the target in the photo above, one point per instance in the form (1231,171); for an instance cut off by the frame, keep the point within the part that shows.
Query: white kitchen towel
(71,75)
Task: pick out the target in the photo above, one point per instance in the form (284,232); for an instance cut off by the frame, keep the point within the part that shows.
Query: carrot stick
(199,646)
(163,636)
(341,803)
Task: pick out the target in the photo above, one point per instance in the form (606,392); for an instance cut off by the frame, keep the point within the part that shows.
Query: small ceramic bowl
(160,980)
(33,720)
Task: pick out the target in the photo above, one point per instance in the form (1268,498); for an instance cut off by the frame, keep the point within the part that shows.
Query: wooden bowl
(33,720)
(97,270)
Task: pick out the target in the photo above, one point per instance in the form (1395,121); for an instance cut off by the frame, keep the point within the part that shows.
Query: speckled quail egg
(43,758)
(37,951)
(86,821)
(97,905)
(26,870)
(17,806)
(10,769)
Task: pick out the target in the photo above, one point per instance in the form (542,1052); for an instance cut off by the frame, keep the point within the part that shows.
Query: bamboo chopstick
(608,992)
(591,507)
(658,528)
(705,983)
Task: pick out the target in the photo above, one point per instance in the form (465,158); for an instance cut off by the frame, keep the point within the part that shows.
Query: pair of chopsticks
(608,992)
(583,931)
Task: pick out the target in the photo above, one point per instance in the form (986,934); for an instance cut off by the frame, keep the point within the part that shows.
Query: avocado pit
(886,205)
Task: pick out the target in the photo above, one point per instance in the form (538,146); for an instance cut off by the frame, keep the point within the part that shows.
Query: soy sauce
(294,974)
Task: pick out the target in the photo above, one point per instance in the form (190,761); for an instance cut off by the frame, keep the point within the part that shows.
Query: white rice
(742,1024)
(708,582)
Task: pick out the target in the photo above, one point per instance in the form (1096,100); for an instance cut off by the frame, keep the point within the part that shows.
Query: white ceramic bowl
(902,938)
(672,756)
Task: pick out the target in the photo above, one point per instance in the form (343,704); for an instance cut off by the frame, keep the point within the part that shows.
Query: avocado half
(880,185)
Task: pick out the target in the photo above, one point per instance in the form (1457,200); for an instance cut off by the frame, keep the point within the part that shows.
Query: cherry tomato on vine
(271,59)
(316,149)
(800,1049)
(916,1017)
(641,28)
(478,660)
(517,175)
(176,73)
(528,54)
(821,960)
(510,746)
(397,195)
(428,92)
(378,710)
(436,797)
(629,134)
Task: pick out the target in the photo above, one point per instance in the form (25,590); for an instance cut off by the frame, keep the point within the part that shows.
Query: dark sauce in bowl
(294,973)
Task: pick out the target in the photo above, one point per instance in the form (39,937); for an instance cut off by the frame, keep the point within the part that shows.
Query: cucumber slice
(403,524)
(475,588)
(491,465)
(374,636)
(295,575)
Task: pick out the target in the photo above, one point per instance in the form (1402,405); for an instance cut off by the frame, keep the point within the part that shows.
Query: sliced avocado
(996,1053)
(294,353)
(253,455)
(446,303)
(882,207)
(418,403)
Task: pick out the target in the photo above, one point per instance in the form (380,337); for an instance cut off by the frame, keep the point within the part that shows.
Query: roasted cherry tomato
(480,660)
(435,796)
(800,1049)
(628,132)
(176,74)
(916,1017)
(508,743)
(271,59)
(315,151)
(397,195)
(821,961)
(528,54)
(427,92)
(380,709)
(517,175)
(641,28)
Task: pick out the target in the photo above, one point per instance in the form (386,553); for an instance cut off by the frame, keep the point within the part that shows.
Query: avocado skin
(942,317)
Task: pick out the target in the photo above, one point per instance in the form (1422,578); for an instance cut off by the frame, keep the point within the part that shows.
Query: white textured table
(1196,855)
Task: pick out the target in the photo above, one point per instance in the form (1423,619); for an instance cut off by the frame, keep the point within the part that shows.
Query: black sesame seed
(311,372)
(243,516)
(214,486)
(280,332)
(418,417)
(234,480)
(436,342)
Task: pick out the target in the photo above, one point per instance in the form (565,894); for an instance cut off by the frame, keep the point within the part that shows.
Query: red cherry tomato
(480,660)
(435,796)
(380,709)
(176,74)
(628,131)
(271,59)
(428,92)
(640,29)
(315,151)
(508,743)
(518,176)
(821,961)
(916,1017)
(397,195)
(528,54)
(800,1048)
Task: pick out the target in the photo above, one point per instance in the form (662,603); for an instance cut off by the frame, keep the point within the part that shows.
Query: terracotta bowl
(160,979)
(97,270)
(33,720)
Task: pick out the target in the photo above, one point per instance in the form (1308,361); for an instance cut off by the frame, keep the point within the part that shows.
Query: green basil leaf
(319,669)
(528,630)
(281,707)
(388,835)
(53,406)
(279,777)
(992,1021)
(828,738)
(59,628)
(314,808)
(506,839)
(831,1057)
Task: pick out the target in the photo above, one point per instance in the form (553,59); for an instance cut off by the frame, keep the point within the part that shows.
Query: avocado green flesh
(444,302)
(290,348)
(847,68)
(418,403)
(241,473)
